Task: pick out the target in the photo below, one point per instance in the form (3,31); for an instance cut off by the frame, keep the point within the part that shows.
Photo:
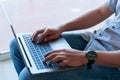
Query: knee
(13,47)
(13,44)
(25,75)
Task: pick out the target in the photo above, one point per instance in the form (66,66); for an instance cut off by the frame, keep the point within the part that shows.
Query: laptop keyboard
(38,51)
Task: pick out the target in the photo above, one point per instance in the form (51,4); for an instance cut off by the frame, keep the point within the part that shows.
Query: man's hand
(70,57)
(47,34)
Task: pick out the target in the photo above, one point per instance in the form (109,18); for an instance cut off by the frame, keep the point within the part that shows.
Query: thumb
(64,62)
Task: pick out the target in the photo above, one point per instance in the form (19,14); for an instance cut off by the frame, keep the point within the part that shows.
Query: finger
(44,34)
(57,59)
(35,34)
(51,37)
(47,54)
(64,63)
(50,57)
(54,51)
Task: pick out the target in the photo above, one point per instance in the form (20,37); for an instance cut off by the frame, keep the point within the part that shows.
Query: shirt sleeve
(111,4)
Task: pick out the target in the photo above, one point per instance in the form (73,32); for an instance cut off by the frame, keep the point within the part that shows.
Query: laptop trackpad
(60,43)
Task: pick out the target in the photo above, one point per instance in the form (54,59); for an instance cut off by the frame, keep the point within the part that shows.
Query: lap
(76,74)
(75,40)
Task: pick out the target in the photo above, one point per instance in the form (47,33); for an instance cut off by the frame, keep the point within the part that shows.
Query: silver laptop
(33,54)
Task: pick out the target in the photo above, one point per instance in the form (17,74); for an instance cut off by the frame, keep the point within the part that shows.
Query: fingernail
(44,55)
(44,60)
(37,42)
(45,40)
(32,39)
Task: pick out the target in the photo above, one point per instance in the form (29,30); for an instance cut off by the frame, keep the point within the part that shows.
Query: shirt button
(113,27)
(95,31)
(100,34)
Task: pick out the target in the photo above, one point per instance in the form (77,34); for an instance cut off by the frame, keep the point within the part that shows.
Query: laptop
(33,54)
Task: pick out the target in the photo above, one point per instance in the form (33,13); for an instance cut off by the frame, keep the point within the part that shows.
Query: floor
(7,71)
(28,13)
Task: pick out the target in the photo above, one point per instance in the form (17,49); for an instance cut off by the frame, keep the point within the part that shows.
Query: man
(100,51)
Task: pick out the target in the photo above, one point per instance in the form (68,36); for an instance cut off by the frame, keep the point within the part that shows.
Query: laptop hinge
(25,52)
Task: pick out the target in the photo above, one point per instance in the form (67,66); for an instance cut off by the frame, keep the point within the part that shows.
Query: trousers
(76,42)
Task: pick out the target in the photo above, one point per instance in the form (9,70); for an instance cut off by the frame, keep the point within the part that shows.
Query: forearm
(108,58)
(90,19)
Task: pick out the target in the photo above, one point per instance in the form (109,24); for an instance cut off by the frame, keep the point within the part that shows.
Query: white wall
(70,10)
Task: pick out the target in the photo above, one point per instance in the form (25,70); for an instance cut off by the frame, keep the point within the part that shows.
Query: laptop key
(37,52)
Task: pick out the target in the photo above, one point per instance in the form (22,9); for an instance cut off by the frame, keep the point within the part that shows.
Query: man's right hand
(47,34)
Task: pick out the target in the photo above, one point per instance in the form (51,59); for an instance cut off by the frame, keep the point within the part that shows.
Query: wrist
(84,60)
(63,28)
(66,27)
(91,57)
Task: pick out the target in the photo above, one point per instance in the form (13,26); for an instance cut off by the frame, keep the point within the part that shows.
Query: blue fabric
(108,36)
(16,56)
(111,4)
(77,42)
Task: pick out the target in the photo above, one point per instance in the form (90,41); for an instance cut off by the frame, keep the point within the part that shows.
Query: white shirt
(108,37)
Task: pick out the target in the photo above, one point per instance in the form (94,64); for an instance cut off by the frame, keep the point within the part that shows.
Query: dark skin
(72,57)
